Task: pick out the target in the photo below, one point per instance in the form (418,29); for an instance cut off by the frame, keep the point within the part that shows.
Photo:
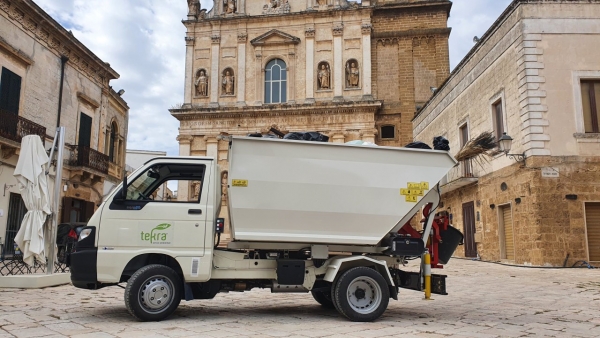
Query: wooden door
(469,229)
(592,221)
(506,226)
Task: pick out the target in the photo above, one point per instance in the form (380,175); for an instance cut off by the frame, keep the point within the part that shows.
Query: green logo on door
(158,235)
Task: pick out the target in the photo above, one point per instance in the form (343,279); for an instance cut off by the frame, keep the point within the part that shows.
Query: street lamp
(504,144)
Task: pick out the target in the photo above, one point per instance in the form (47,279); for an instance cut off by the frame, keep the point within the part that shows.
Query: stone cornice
(394,36)
(88,100)
(44,29)
(200,113)
(16,53)
(118,101)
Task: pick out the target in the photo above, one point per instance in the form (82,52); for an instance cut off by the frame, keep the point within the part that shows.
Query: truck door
(165,210)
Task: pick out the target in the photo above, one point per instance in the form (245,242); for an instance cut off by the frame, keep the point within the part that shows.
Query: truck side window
(168,183)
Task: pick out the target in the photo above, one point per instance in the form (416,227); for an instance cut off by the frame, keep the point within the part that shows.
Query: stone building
(349,70)
(36,53)
(535,76)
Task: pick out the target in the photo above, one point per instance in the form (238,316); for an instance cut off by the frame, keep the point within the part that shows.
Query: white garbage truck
(304,217)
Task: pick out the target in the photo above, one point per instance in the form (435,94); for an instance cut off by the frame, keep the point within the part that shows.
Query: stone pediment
(275,37)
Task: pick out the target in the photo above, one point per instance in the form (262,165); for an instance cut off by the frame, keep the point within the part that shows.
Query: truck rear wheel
(361,294)
(153,292)
(323,298)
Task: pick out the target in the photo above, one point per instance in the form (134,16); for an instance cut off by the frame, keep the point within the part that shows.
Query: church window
(276,82)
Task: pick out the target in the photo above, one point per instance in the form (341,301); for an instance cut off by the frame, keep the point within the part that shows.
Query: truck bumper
(83,269)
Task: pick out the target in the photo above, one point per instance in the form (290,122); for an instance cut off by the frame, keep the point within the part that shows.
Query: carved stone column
(258,76)
(368,135)
(310,64)
(185,142)
(366,61)
(189,71)
(212,147)
(338,63)
(214,70)
(241,71)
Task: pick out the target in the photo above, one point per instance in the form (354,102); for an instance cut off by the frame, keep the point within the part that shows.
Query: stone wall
(521,62)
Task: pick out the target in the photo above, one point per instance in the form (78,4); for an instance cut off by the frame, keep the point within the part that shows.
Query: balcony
(88,158)
(13,127)
(461,175)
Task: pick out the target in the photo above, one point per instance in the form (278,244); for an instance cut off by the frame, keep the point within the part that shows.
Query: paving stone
(484,301)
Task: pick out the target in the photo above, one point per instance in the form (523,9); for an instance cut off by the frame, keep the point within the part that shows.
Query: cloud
(143,41)
(470,18)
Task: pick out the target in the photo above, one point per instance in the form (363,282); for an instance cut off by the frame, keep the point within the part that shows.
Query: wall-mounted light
(518,200)
(492,206)
(7,187)
(504,144)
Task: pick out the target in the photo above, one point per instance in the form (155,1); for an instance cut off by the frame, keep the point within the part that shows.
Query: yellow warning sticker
(413,185)
(414,190)
(239,183)
(410,192)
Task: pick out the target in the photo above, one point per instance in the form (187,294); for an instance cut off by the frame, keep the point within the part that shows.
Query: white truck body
(328,193)
(291,205)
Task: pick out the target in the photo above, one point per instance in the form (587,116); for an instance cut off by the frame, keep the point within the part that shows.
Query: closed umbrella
(31,177)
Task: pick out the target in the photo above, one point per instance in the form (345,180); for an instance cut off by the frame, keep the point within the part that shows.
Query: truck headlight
(84,233)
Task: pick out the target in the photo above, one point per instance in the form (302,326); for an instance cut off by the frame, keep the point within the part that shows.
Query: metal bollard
(427,270)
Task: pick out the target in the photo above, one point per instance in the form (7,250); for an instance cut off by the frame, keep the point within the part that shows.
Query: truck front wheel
(153,292)
(361,294)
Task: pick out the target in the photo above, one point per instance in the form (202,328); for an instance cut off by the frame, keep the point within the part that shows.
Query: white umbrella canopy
(33,184)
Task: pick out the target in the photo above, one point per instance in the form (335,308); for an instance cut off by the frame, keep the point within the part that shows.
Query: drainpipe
(63,60)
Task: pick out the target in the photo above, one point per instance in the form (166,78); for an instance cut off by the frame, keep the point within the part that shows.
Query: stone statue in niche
(193,7)
(227,83)
(224,185)
(195,193)
(324,77)
(229,6)
(352,74)
(276,7)
(322,2)
(201,83)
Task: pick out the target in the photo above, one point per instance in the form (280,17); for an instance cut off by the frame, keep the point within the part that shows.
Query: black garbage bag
(307,136)
(255,135)
(441,143)
(417,145)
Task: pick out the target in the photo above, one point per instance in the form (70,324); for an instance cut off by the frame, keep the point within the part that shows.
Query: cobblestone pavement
(485,300)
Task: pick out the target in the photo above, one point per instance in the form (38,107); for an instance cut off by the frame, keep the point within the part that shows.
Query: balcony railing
(463,174)
(83,156)
(14,127)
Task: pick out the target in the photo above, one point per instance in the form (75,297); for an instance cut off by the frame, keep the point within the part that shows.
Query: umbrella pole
(59,143)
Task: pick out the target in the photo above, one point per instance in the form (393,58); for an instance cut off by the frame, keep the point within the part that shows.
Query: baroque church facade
(352,71)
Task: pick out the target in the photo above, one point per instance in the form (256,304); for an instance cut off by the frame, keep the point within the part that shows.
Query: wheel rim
(364,295)
(156,294)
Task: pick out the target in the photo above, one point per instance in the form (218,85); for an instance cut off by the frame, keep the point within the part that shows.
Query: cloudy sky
(143,40)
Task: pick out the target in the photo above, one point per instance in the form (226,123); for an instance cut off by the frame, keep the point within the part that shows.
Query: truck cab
(143,224)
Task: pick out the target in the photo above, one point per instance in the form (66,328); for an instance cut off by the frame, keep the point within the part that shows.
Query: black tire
(372,298)
(323,298)
(146,285)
